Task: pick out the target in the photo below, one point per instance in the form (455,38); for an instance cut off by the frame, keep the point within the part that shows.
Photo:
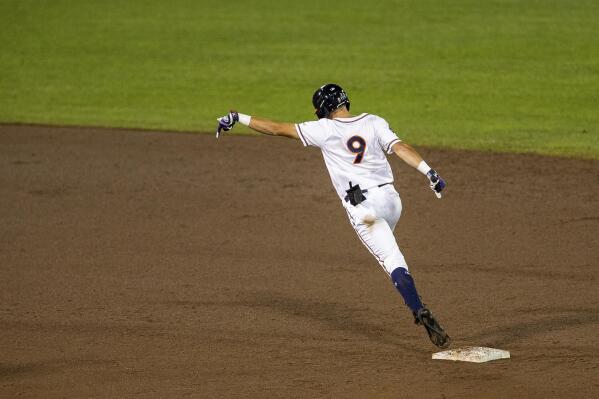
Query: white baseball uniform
(354,151)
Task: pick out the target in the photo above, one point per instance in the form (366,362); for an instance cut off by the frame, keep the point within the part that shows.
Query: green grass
(509,75)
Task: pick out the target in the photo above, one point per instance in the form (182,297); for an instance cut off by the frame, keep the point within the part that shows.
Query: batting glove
(226,122)
(436,183)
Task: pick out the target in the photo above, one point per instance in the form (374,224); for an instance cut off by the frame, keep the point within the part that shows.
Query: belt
(366,190)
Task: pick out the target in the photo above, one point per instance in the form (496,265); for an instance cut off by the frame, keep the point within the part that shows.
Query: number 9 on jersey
(357,145)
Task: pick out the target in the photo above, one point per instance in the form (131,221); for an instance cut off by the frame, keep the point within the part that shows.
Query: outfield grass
(510,75)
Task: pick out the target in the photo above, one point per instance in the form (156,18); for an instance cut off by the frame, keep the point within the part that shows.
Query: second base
(475,354)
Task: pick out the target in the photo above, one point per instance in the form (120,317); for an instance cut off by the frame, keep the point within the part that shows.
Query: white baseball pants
(374,221)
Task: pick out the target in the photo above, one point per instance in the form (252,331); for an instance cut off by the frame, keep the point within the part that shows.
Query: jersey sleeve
(385,135)
(311,133)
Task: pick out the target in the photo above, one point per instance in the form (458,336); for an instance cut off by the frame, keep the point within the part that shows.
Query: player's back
(353,149)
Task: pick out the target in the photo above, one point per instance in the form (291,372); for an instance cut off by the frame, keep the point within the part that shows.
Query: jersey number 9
(357,145)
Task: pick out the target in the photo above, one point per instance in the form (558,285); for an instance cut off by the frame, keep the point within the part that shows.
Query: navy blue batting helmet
(328,98)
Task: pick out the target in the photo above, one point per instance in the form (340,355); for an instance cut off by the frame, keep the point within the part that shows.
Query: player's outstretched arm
(410,156)
(272,128)
(260,125)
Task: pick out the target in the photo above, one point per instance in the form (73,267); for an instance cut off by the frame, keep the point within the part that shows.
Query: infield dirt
(149,264)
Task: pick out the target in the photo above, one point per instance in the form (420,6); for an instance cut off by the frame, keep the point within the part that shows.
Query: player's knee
(395,261)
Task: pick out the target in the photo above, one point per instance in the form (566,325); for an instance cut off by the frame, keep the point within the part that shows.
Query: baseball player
(354,150)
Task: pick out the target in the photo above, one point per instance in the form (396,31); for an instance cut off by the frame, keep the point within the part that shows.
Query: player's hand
(226,122)
(436,183)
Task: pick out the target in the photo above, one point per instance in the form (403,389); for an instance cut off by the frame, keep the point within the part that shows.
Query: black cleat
(434,330)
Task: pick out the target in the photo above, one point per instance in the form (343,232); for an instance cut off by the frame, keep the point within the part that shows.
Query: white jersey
(354,149)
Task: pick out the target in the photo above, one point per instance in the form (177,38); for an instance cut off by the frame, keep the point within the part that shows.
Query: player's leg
(378,238)
(404,283)
(377,235)
(386,204)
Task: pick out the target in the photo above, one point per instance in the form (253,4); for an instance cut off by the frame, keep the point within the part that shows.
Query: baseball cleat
(435,332)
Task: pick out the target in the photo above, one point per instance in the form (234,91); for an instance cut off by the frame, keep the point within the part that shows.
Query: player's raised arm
(410,156)
(261,125)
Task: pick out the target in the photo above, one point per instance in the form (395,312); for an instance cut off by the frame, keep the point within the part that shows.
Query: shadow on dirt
(338,317)
(10,371)
(522,330)
(18,370)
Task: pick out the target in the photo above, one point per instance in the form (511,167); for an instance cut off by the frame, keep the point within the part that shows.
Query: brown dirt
(152,264)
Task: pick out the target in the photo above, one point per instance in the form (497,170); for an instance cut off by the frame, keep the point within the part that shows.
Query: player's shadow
(13,371)
(516,332)
(334,316)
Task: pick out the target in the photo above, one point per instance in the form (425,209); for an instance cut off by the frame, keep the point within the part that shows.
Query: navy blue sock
(404,283)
